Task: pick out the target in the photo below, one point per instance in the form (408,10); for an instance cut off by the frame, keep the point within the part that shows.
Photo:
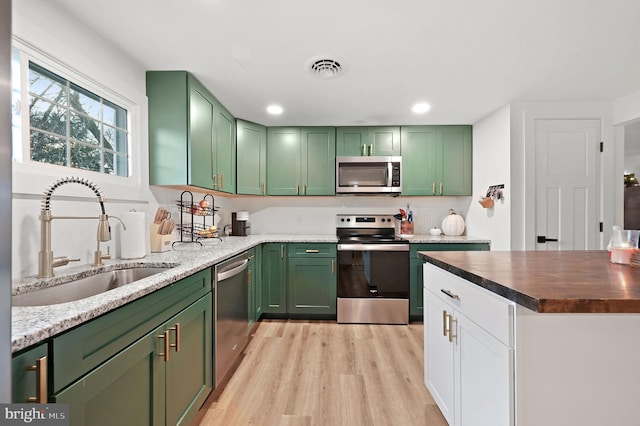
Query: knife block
(159,243)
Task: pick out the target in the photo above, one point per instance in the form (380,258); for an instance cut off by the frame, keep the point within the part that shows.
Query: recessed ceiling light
(274,109)
(421,108)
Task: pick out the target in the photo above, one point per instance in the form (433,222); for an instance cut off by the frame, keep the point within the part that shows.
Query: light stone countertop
(33,324)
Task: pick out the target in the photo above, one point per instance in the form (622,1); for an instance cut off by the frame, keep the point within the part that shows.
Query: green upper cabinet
(192,136)
(377,140)
(283,160)
(225,149)
(436,160)
(251,158)
(301,161)
(318,164)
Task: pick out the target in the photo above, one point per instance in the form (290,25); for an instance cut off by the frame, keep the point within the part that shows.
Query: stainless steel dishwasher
(231,312)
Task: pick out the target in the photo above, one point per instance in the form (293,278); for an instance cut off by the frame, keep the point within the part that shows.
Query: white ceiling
(466,58)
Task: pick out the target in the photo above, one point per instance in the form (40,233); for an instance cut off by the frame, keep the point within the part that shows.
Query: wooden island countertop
(549,281)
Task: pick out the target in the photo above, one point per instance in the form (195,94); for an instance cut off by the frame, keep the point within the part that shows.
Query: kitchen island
(533,337)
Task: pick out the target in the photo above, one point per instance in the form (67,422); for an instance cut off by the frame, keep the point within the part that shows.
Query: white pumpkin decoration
(453,223)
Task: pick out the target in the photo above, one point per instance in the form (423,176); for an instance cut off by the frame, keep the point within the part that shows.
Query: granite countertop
(33,324)
(442,239)
(549,281)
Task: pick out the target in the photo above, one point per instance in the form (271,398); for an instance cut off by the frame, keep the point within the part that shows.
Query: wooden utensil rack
(196,227)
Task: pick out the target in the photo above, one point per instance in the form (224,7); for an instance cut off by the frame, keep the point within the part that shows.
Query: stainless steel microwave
(369,175)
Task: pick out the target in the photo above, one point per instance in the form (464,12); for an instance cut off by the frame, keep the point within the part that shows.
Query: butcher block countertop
(549,281)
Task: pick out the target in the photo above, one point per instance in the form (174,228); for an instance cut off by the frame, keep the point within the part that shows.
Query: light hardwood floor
(324,373)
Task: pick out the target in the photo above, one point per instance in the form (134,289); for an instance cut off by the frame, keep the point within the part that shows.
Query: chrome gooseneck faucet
(46,261)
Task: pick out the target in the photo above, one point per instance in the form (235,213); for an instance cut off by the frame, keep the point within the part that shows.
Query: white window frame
(33,177)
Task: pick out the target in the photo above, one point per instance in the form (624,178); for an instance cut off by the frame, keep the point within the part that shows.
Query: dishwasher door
(231,312)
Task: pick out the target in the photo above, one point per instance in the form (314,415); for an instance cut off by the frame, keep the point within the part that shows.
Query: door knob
(542,239)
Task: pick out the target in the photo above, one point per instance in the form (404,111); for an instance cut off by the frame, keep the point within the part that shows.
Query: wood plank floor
(324,373)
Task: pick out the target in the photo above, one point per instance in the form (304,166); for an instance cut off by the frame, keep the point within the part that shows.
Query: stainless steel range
(373,271)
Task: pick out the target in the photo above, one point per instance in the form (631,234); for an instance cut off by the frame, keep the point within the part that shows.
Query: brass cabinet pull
(371,149)
(452,326)
(165,354)
(364,150)
(333,266)
(312,251)
(281,251)
(304,189)
(264,191)
(433,188)
(445,330)
(440,188)
(222,180)
(251,257)
(176,345)
(40,368)
(215,180)
(297,189)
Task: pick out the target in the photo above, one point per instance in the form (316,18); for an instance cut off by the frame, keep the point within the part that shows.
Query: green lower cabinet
(274,278)
(311,284)
(254,268)
(28,369)
(146,385)
(126,390)
(416,294)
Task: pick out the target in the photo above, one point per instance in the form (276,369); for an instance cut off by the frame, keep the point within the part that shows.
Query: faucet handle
(62,260)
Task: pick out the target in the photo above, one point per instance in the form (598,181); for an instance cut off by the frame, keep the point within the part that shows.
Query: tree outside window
(71,126)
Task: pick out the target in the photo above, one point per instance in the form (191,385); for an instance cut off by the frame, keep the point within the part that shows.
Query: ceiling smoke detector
(327,68)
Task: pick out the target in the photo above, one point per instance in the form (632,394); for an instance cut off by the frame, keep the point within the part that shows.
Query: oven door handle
(373,247)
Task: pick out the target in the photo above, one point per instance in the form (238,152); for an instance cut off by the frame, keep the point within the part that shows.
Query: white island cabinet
(528,339)
(469,354)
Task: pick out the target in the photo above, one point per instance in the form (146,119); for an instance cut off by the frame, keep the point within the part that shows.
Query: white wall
(41,27)
(491,166)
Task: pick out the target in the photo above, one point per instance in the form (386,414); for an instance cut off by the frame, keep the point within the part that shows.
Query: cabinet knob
(40,368)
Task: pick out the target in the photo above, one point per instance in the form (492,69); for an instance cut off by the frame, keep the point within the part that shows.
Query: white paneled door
(567,176)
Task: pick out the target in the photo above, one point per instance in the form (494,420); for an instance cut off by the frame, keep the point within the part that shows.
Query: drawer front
(87,346)
(493,313)
(415,248)
(311,250)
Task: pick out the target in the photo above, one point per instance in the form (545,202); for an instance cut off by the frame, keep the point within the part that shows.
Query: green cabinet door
(283,161)
(436,160)
(274,279)
(416,291)
(254,283)
(318,160)
(189,373)
(421,149)
(192,137)
(456,160)
(201,152)
(352,141)
(251,162)
(224,149)
(29,376)
(128,389)
(376,140)
(384,140)
(311,286)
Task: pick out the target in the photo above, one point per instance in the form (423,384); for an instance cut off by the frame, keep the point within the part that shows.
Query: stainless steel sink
(83,287)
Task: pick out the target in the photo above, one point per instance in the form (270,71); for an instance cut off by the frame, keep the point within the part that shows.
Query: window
(71,126)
